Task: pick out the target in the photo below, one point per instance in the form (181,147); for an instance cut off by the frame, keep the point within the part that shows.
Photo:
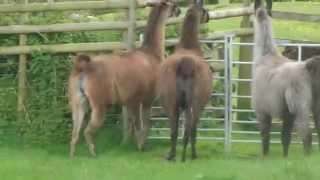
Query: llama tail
(82,63)
(263,35)
(185,74)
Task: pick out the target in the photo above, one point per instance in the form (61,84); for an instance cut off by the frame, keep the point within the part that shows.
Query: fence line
(62,48)
(99,46)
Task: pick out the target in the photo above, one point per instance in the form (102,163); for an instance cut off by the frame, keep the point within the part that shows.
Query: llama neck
(190,29)
(155,32)
(263,35)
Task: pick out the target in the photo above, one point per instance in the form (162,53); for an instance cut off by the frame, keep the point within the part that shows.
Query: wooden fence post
(245,69)
(22,75)
(127,126)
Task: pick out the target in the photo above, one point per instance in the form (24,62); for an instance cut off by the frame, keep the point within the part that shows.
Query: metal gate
(220,120)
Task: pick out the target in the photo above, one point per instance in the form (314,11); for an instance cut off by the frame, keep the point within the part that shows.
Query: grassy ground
(121,163)
(117,162)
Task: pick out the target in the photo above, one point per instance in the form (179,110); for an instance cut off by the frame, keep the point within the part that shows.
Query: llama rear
(185,75)
(186,81)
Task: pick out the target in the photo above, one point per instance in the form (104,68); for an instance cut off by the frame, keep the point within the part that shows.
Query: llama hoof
(92,151)
(142,147)
(193,157)
(71,155)
(307,153)
(93,154)
(171,157)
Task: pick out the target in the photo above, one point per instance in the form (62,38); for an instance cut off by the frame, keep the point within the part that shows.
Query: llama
(128,79)
(282,88)
(186,80)
(313,68)
(307,52)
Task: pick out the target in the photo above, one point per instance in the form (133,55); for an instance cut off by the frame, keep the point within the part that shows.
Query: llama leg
(196,116)
(174,124)
(146,111)
(187,132)
(317,126)
(94,124)
(193,141)
(302,121)
(286,134)
(265,127)
(78,112)
(127,127)
(134,115)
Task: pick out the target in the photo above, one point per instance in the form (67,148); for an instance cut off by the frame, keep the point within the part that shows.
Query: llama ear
(309,66)
(154,2)
(212,69)
(313,64)
(269,7)
(72,57)
(198,2)
(257,4)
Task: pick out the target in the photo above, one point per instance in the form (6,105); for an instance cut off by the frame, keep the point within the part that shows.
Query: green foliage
(47,118)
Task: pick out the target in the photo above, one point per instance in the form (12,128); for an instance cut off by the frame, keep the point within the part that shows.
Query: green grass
(294,30)
(123,162)
(298,7)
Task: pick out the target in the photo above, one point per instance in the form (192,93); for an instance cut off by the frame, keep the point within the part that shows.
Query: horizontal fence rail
(62,48)
(63,6)
(221,14)
(91,26)
(64,27)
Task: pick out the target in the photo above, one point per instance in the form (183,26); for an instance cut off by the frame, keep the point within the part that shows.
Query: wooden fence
(127,26)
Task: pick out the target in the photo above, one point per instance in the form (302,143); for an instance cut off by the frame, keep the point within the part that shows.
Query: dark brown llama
(186,80)
(307,52)
(281,88)
(129,79)
(313,68)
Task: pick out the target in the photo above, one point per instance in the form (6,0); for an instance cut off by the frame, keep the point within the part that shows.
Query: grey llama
(282,88)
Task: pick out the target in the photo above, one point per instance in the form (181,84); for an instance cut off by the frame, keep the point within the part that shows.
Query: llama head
(174,10)
(313,66)
(258,6)
(197,9)
(290,52)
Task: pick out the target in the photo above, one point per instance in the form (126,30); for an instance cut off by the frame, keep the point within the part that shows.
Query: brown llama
(186,80)
(282,88)
(128,79)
